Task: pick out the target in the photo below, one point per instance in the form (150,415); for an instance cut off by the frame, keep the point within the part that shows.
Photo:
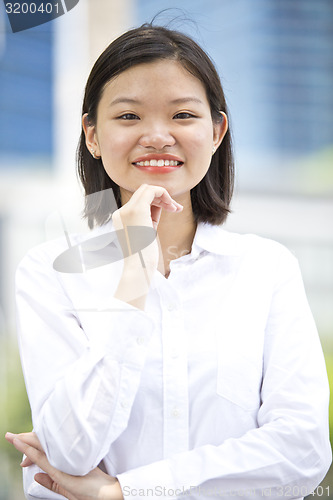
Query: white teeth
(158,163)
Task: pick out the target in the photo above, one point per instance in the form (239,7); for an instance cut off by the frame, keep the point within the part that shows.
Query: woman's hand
(145,207)
(95,485)
(142,210)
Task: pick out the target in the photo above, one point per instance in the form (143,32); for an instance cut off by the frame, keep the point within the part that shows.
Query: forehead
(164,78)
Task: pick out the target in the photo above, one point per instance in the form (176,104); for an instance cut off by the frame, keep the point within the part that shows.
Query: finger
(26,462)
(53,477)
(10,436)
(36,456)
(31,439)
(155,215)
(27,437)
(167,202)
(49,480)
(46,481)
(155,194)
(162,202)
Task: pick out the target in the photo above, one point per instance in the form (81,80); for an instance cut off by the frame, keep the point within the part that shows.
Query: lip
(158,170)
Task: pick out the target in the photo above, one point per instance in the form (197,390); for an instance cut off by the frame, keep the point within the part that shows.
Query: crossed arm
(93,486)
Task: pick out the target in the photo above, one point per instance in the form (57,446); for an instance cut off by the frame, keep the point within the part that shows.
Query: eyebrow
(125,100)
(186,99)
(180,100)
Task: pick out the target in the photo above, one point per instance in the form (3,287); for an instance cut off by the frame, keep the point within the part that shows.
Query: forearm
(79,364)
(84,413)
(135,282)
(264,462)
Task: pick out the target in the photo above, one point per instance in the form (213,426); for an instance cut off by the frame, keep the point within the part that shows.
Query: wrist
(134,284)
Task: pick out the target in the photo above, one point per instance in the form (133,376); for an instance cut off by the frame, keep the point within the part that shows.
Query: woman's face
(154,126)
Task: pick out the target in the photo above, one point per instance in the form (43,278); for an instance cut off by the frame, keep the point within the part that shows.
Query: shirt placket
(175,374)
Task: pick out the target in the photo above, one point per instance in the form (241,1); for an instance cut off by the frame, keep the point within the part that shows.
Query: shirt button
(124,404)
(171,307)
(174,354)
(140,340)
(175,412)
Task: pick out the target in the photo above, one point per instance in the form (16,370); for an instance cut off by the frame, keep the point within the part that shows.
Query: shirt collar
(208,237)
(215,239)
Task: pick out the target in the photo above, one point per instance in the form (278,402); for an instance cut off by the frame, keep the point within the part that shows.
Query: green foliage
(329,366)
(16,415)
(315,173)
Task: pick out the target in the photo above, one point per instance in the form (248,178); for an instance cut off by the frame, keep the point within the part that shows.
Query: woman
(192,366)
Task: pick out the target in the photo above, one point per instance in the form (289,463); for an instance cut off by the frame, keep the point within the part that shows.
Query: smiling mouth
(158,163)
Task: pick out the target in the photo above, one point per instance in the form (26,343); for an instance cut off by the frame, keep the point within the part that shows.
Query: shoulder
(43,256)
(263,265)
(246,246)
(263,247)
(249,255)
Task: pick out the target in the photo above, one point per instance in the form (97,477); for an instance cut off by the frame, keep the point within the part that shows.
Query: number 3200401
(32,8)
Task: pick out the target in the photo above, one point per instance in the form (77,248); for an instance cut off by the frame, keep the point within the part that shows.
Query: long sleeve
(288,454)
(82,370)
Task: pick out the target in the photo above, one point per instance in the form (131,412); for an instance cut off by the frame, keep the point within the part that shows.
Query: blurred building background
(275,59)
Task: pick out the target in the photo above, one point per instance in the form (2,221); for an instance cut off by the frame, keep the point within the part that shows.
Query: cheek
(202,136)
(200,144)
(115,143)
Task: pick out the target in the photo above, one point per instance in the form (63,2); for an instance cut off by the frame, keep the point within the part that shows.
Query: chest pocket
(239,370)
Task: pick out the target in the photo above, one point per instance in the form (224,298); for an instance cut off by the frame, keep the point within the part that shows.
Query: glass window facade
(26,96)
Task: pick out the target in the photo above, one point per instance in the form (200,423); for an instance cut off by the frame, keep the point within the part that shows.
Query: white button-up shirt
(217,389)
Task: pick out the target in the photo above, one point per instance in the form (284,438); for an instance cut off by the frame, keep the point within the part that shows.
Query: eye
(128,116)
(183,116)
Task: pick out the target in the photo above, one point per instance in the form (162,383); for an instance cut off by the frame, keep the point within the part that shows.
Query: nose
(157,135)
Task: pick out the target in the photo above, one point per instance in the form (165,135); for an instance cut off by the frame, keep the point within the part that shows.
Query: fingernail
(9,434)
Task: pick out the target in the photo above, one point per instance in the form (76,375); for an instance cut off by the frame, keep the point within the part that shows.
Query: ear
(220,129)
(91,135)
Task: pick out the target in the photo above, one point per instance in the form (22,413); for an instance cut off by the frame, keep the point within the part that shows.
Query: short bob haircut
(212,196)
